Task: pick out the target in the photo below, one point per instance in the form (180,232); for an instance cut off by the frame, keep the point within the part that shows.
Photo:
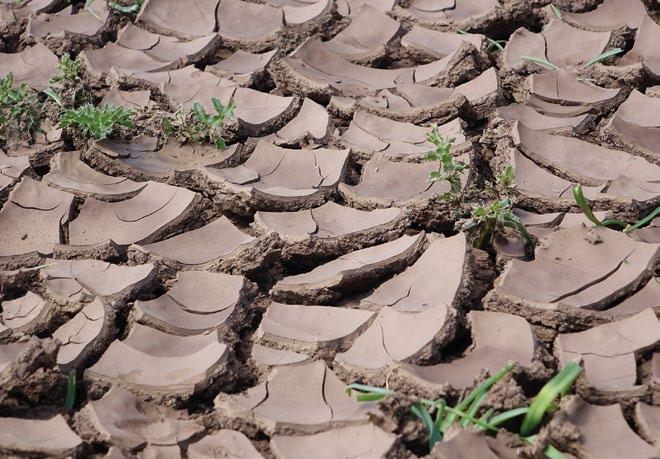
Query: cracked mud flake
(608,351)
(498,338)
(416,288)
(257,108)
(351,8)
(581,268)
(647,296)
(366,36)
(11,169)
(86,21)
(35,65)
(533,119)
(198,302)
(299,326)
(9,352)
(370,134)
(437,44)
(636,120)
(594,165)
(223,444)
(67,278)
(185,18)
(82,336)
(609,15)
(166,49)
(31,220)
(282,403)
(337,277)
(200,246)
(387,183)
(311,124)
(69,173)
(50,437)
(363,441)
(269,357)
(141,219)
(134,100)
(564,87)
(250,22)
(156,364)
(605,433)
(329,221)
(550,44)
(645,49)
(242,64)
(100,61)
(121,419)
(395,337)
(469,444)
(446,10)
(26,314)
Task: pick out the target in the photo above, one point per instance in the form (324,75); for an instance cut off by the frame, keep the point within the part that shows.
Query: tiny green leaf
(603,56)
(540,61)
(70,391)
(555,11)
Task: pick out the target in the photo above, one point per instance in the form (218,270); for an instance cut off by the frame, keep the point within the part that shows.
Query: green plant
(19,109)
(437,417)
(604,55)
(449,169)
(70,399)
(486,220)
(97,122)
(555,11)
(132,8)
(542,61)
(68,71)
(66,85)
(198,126)
(584,206)
(492,44)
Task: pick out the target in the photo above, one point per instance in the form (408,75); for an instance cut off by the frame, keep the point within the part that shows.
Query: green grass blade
(368,389)
(423,414)
(369,397)
(644,221)
(543,62)
(603,56)
(550,451)
(503,417)
(474,408)
(584,206)
(70,391)
(558,385)
(555,11)
(53,95)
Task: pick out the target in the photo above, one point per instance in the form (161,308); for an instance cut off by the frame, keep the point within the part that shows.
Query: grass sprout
(97,122)
(449,169)
(20,114)
(437,416)
(603,56)
(555,11)
(584,206)
(127,9)
(542,61)
(66,85)
(492,44)
(198,126)
(70,399)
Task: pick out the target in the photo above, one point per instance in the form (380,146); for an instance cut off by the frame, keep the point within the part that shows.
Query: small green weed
(487,220)
(66,85)
(603,56)
(68,71)
(449,169)
(492,44)
(438,417)
(198,126)
(543,62)
(584,206)
(555,11)
(97,122)
(20,114)
(70,399)
(127,9)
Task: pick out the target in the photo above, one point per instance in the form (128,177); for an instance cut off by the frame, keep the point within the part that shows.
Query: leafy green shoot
(555,11)
(127,9)
(198,126)
(602,56)
(544,400)
(542,61)
(486,220)
(70,399)
(20,114)
(584,206)
(449,169)
(68,71)
(97,122)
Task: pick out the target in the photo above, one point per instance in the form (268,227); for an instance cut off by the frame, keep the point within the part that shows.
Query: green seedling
(20,115)
(198,126)
(603,56)
(584,206)
(555,11)
(449,169)
(70,399)
(437,417)
(542,61)
(97,122)
(486,220)
(492,44)
(88,7)
(66,85)
(127,9)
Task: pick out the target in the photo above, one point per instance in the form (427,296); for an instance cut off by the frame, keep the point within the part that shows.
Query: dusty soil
(214,303)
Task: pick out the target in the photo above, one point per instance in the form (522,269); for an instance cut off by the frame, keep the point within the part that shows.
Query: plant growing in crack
(438,417)
(96,122)
(543,62)
(195,125)
(627,228)
(492,44)
(126,9)
(66,86)
(449,169)
(20,114)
